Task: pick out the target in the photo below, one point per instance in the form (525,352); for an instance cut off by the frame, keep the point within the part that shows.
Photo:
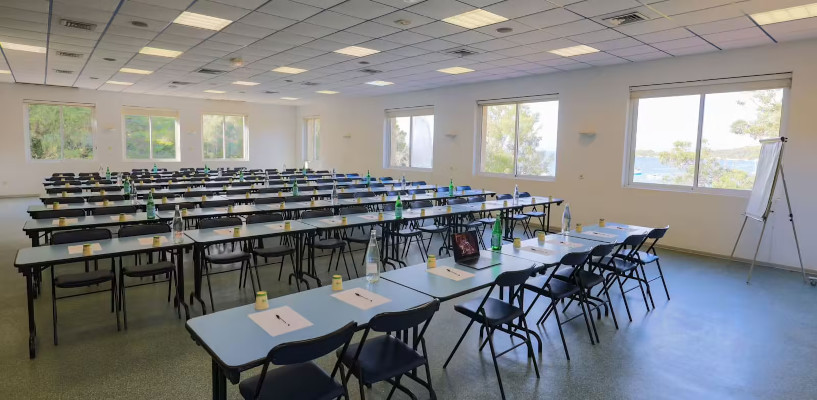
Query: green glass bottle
(398,208)
(155,168)
(294,187)
(368,178)
(108,173)
(451,188)
(241,176)
(496,235)
(150,207)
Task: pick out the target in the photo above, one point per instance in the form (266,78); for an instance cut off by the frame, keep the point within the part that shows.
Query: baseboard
(18,196)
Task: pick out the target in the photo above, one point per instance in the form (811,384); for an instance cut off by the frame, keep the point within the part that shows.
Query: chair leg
(54,306)
(458,343)
(561,332)
(661,274)
(624,297)
(635,275)
(496,366)
(647,283)
(612,309)
(210,289)
(113,301)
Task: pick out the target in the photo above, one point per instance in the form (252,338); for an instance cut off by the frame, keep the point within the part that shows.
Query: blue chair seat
(408,232)
(83,279)
(383,357)
(273,251)
(297,381)
(331,243)
(557,289)
(588,279)
(432,228)
(535,213)
(487,221)
(138,271)
(227,258)
(647,258)
(497,312)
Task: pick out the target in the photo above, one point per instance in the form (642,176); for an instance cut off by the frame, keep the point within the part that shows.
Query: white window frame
(27,130)
(246,140)
(406,112)
(151,112)
(702,88)
(310,153)
(480,140)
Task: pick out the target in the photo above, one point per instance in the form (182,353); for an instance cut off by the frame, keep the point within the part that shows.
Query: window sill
(689,190)
(225,159)
(61,160)
(410,169)
(519,178)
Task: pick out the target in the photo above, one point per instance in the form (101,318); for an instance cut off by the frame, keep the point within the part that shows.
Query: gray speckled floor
(716,338)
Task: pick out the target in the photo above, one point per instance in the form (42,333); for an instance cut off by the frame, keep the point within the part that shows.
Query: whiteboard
(761,198)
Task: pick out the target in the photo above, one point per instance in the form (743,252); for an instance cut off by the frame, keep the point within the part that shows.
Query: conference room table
(32,260)
(610,233)
(236,343)
(88,207)
(33,228)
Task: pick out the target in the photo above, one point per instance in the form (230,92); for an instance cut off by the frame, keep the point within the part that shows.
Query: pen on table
(451,271)
(282,320)
(362,296)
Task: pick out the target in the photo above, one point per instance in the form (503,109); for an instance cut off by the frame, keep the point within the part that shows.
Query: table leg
(197,277)
(180,282)
(297,269)
(32,325)
(219,382)
(547,215)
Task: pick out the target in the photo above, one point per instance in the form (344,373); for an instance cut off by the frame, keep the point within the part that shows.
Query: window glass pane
(666,138)
(733,124)
(164,137)
(422,141)
(538,123)
(44,131)
(317,139)
(77,128)
(499,140)
(212,137)
(137,137)
(234,136)
(399,155)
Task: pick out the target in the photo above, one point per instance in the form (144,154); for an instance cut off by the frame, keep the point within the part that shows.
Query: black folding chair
(349,235)
(650,256)
(227,257)
(266,251)
(619,266)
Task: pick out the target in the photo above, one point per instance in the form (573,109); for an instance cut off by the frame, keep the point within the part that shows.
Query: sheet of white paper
(226,232)
(361,298)
(537,250)
(369,217)
(68,221)
(281,320)
(599,234)
(149,240)
(623,228)
(450,273)
(78,248)
(560,242)
(276,227)
(116,217)
(332,221)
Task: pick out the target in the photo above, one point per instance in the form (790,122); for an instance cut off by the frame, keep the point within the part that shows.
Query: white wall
(596,100)
(271,133)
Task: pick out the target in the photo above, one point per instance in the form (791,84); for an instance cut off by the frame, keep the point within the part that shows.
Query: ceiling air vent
(63,71)
(69,54)
(209,71)
(462,52)
(179,83)
(85,26)
(310,83)
(625,19)
(269,92)
(370,71)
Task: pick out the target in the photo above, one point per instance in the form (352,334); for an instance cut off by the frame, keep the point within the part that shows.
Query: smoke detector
(236,62)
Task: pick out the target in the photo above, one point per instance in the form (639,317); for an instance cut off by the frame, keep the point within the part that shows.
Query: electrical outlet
(581,176)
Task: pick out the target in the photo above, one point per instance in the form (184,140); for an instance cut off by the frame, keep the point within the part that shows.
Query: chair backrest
(629,247)
(458,200)
(418,183)
(394,192)
(60,189)
(172,206)
(237,191)
(63,200)
(602,250)
(109,197)
(316,214)
(353,210)
(504,197)
(310,349)
(216,203)
(83,235)
(269,190)
(466,187)
(299,198)
(403,320)
(524,194)
(575,259)
(365,194)
(346,195)
(219,222)
(421,204)
(388,207)
(658,233)
(145,229)
(269,200)
(261,218)
(476,199)
(513,278)
(114,210)
(442,189)
(386,178)
(46,214)
(323,187)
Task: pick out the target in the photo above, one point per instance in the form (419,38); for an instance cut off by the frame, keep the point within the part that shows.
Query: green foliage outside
(223,137)
(712,174)
(46,121)
(138,137)
(500,141)
(399,141)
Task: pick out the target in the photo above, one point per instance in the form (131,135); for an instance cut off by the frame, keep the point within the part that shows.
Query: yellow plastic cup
(517,243)
(86,250)
(578,228)
(236,232)
(337,283)
(602,223)
(122,218)
(432,261)
(61,221)
(287,225)
(157,241)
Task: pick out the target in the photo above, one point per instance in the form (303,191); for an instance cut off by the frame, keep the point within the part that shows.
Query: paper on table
(563,243)
(281,320)
(149,241)
(68,221)
(78,248)
(225,232)
(220,209)
(623,228)
(361,298)
(450,273)
(537,250)
(370,217)
(599,234)
(275,227)
(116,217)
(332,221)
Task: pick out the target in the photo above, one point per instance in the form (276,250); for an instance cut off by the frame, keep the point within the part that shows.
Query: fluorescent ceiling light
(22,47)
(574,51)
(455,70)
(135,71)
(119,83)
(786,14)
(245,83)
(4,71)
(202,21)
(380,83)
(327,92)
(215,91)
(357,51)
(288,70)
(153,51)
(475,18)
(289,98)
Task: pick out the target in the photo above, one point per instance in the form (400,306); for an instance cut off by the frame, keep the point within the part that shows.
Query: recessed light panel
(786,14)
(119,83)
(357,51)
(327,92)
(135,71)
(574,51)
(380,83)
(215,91)
(288,70)
(289,98)
(4,71)
(455,70)
(245,83)
(22,47)
(202,21)
(475,19)
(154,51)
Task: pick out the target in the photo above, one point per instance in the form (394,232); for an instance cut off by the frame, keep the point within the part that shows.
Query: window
(519,137)
(151,134)
(410,137)
(703,136)
(224,137)
(312,138)
(60,131)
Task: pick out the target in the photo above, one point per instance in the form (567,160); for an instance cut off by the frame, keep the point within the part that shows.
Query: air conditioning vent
(462,52)
(63,71)
(625,19)
(209,71)
(310,83)
(179,83)
(370,71)
(69,54)
(270,92)
(85,26)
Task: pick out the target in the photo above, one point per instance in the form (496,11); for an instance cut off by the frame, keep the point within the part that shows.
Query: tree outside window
(411,140)
(58,131)
(223,137)
(151,135)
(519,138)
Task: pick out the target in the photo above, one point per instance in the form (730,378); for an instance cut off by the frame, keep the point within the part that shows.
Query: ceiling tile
(653,25)
(439,9)
(363,9)
(592,8)
(648,56)
(749,42)
(663,36)
(438,29)
(518,51)
(516,28)
(242,29)
(468,37)
(347,38)
(530,37)
(629,51)
(334,20)
(574,28)
(266,21)
(722,25)
(174,4)
(289,9)
(321,3)
(616,44)
(596,36)
(436,45)
(408,51)
(246,4)
(549,18)
(705,48)
(325,45)
(416,19)
(219,10)
(519,8)
(233,39)
(496,44)
(142,10)
(372,29)
(309,30)
(406,37)
(674,7)
(680,43)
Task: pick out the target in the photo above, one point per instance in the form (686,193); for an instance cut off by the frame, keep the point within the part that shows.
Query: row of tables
(235,343)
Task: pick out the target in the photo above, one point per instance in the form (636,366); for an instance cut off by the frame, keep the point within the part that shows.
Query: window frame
(410,112)
(482,128)
(315,152)
(27,130)
(246,133)
(151,112)
(700,88)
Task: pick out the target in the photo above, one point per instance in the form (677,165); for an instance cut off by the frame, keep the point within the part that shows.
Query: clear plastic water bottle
(334,192)
(566,218)
(403,183)
(333,174)
(178,226)
(150,208)
(515,194)
(372,259)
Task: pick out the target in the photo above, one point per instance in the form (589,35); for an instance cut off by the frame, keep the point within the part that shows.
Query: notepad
(450,273)
(116,217)
(563,243)
(537,250)
(281,320)
(149,241)
(78,248)
(68,221)
(599,234)
(361,298)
